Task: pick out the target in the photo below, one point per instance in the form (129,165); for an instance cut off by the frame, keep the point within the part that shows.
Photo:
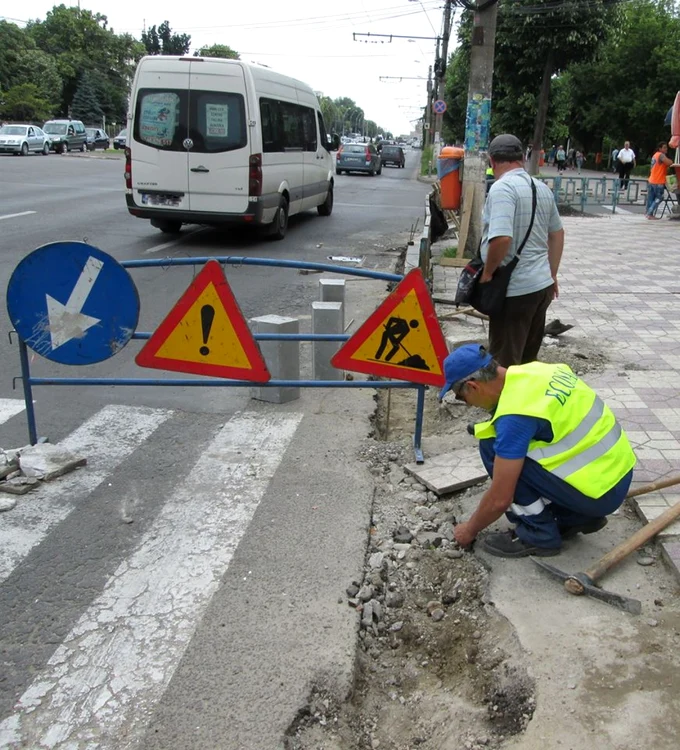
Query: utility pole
(440,73)
(427,114)
(478,120)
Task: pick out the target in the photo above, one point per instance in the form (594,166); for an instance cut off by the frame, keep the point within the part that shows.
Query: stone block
(450,472)
(326,318)
(282,358)
(333,290)
(650,512)
(670,551)
(46,461)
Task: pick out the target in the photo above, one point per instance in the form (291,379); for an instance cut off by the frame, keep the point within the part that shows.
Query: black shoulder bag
(489,298)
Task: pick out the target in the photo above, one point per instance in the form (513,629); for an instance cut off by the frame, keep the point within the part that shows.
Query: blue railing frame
(582,190)
(29,381)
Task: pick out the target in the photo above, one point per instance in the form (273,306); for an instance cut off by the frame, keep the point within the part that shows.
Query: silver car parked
(358,157)
(22,139)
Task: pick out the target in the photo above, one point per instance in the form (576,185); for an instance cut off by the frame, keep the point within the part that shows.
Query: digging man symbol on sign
(396,330)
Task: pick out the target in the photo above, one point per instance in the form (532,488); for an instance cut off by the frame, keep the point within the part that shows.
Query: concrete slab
(450,471)
(651,506)
(19,485)
(46,461)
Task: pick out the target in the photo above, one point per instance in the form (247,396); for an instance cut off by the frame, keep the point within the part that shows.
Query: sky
(307,39)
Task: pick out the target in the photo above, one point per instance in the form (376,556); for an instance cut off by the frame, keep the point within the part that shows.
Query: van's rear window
(196,121)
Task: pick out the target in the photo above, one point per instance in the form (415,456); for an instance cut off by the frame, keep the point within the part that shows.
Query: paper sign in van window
(217,120)
(158,118)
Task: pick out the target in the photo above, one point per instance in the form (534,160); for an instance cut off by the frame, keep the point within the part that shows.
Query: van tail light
(255,175)
(128,169)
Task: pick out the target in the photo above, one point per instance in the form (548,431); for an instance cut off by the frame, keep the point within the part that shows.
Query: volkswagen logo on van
(188,143)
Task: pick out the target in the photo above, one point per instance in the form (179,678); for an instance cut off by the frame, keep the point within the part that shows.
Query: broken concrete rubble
(22,469)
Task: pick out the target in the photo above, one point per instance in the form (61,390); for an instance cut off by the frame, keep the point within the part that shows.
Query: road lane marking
(14,216)
(106,440)
(10,407)
(379,205)
(172,243)
(114,666)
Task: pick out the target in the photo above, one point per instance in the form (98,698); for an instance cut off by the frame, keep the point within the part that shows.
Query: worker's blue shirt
(514,433)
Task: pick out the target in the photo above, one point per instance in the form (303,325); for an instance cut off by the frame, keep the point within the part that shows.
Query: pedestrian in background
(551,155)
(625,161)
(615,154)
(657,179)
(579,161)
(560,159)
(516,332)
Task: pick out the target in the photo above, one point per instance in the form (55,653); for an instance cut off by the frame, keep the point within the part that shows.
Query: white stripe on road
(106,439)
(104,681)
(14,216)
(619,210)
(380,205)
(10,407)
(172,243)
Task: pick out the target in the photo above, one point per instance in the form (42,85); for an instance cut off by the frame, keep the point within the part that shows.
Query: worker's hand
(486,277)
(463,535)
(556,288)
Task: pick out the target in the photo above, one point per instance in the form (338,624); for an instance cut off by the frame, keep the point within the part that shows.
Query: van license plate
(160,200)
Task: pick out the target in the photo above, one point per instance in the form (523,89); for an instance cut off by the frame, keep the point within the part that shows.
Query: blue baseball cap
(461,363)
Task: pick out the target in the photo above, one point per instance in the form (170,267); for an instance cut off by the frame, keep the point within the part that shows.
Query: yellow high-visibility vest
(589,450)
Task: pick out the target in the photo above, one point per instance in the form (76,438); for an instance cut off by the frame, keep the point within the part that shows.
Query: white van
(216,142)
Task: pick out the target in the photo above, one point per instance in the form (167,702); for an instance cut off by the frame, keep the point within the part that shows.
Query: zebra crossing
(104,679)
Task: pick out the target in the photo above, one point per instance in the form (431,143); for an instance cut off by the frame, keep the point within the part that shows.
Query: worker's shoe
(569,532)
(508,544)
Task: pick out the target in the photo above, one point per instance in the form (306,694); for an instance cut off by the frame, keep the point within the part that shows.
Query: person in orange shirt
(657,179)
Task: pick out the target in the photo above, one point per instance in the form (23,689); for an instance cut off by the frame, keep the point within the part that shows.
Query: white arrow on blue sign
(72,303)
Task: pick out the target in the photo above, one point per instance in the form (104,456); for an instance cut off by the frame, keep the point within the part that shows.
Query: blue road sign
(439,107)
(72,303)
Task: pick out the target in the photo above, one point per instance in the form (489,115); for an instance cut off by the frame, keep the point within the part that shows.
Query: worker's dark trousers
(545,504)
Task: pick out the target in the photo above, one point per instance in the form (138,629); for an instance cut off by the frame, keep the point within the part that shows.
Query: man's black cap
(506,144)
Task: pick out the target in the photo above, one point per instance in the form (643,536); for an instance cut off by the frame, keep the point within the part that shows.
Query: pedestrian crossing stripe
(205,333)
(400,339)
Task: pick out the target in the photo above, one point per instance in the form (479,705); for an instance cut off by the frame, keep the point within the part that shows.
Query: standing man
(516,333)
(558,459)
(657,179)
(626,161)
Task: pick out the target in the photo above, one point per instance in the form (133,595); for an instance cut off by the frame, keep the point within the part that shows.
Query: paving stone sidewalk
(620,288)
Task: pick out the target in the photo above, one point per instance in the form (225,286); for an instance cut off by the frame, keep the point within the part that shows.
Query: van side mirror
(333,142)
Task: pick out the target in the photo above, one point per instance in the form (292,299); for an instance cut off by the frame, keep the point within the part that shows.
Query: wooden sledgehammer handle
(642,535)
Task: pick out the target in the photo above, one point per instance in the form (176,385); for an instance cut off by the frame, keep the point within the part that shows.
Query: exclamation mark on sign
(207,317)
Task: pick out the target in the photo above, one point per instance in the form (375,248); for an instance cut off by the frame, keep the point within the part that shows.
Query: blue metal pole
(28,392)
(243,261)
(276,336)
(214,382)
(418,433)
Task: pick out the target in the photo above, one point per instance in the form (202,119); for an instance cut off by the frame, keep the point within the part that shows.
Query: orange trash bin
(448,172)
(541,159)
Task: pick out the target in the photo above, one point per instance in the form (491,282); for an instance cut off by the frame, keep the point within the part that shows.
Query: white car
(22,139)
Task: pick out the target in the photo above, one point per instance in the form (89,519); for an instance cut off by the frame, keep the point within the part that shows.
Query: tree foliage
(23,103)
(162,41)
(86,105)
(218,50)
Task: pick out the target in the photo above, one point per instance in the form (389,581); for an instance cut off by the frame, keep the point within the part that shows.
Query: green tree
(162,41)
(218,50)
(625,92)
(37,67)
(86,105)
(14,42)
(23,103)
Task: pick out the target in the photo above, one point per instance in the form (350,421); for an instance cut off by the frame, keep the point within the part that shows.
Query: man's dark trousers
(544,504)
(516,333)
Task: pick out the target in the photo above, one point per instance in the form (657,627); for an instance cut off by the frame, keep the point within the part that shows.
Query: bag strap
(534,201)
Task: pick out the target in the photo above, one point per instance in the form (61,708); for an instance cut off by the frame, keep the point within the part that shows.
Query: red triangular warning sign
(401,339)
(205,334)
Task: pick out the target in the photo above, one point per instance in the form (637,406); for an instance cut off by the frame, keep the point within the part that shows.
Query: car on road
(357,157)
(121,139)
(393,155)
(97,138)
(66,135)
(22,139)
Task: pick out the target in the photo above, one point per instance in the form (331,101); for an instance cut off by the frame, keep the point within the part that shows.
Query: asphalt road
(185,588)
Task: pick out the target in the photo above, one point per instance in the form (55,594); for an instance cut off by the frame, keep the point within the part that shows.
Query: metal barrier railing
(29,381)
(578,191)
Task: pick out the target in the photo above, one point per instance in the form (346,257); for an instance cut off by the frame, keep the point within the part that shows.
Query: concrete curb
(106,157)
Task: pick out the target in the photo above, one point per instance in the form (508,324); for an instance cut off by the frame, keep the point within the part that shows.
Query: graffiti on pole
(477,123)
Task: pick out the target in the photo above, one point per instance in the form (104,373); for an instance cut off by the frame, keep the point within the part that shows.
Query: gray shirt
(507,213)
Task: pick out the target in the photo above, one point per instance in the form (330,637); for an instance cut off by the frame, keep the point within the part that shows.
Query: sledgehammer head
(581,584)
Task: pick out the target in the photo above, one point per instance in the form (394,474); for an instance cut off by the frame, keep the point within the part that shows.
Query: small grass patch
(425,160)
(450,252)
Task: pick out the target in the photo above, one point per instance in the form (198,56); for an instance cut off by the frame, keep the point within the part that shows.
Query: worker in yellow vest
(558,458)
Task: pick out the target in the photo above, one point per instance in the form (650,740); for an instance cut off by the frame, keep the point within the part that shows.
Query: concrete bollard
(326,318)
(282,358)
(333,290)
